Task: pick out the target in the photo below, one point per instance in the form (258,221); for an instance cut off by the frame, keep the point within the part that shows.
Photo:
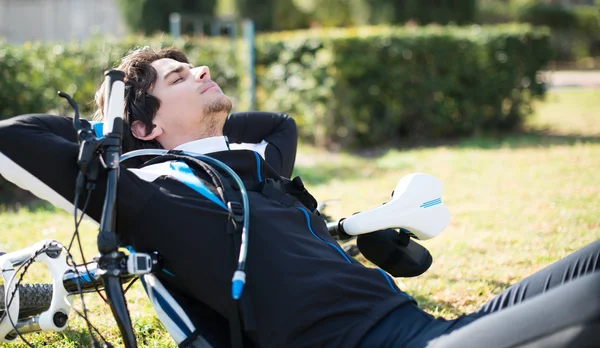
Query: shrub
(553,16)
(575,29)
(350,87)
(365,86)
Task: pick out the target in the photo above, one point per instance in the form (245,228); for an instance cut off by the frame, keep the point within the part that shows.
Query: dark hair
(140,77)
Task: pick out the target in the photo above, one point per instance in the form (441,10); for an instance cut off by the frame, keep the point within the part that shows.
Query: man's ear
(138,129)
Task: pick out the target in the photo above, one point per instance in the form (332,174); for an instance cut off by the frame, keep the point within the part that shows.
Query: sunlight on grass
(568,112)
(518,203)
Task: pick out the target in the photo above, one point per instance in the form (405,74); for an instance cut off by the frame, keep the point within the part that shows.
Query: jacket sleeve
(274,133)
(39,153)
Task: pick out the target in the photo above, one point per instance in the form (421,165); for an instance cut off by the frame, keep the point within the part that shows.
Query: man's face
(192,106)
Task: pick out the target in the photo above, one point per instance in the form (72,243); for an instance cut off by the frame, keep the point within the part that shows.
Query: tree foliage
(150,16)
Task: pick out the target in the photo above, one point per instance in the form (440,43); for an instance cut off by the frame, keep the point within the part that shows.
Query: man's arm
(275,132)
(39,153)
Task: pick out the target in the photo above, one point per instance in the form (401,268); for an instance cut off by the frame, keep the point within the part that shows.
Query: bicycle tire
(33,299)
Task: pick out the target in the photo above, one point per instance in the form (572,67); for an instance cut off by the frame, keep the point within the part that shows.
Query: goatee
(216,114)
(219,105)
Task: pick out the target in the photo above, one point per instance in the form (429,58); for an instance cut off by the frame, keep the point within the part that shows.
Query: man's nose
(202,73)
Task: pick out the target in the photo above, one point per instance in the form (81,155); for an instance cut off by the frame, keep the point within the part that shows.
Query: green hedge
(366,86)
(348,87)
(31,74)
(356,86)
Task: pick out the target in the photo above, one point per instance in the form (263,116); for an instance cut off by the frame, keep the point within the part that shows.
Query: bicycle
(46,307)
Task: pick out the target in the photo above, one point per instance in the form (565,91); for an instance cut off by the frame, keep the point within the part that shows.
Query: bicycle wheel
(33,299)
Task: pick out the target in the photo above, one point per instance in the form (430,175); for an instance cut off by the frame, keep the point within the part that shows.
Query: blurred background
(499,99)
(353,72)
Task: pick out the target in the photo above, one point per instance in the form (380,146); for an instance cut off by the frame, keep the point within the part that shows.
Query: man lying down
(302,289)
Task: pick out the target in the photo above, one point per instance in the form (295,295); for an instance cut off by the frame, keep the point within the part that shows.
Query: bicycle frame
(66,282)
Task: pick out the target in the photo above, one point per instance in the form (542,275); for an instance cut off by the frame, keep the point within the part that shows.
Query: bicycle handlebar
(108,245)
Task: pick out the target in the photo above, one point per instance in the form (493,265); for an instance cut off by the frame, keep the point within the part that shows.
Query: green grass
(518,203)
(570,112)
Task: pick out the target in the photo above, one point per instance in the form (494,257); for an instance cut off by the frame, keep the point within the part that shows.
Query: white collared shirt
(201,147)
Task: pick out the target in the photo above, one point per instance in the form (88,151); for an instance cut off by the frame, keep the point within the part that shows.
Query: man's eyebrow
(176,70)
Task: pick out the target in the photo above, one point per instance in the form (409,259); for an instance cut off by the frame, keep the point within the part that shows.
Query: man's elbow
(290,125)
